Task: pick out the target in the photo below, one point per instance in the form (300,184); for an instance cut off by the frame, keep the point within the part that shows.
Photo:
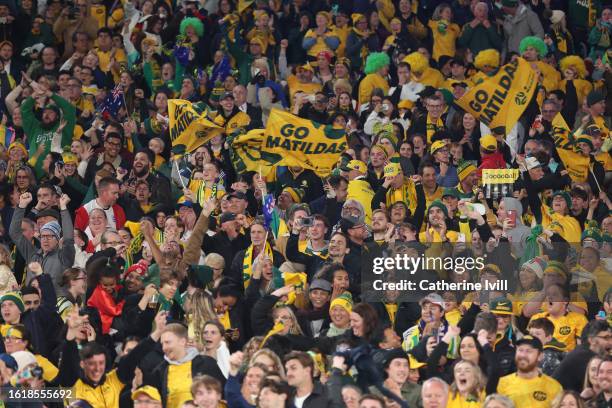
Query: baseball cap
(356,165)
(321,284)
(227,216)
(532,341)
(501,306)
(148,390)
(433,298)
(226,95)
(488,142)
(392,169)
(437,145)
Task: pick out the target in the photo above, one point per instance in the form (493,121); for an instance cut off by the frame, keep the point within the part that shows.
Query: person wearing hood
(173,377)
(510,211)
(41,132)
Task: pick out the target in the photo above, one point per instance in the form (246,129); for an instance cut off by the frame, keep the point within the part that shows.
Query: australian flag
(271,217)
(113,102)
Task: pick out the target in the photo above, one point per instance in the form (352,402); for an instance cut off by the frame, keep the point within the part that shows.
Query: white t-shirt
(299,401)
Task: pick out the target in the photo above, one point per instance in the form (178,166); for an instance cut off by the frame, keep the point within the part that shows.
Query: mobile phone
(434,333)
(512,216)
(601,314)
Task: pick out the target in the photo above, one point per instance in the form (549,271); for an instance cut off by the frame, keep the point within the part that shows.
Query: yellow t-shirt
(538,392)
(567,327)
(444,43)
(179,384)
(455,400)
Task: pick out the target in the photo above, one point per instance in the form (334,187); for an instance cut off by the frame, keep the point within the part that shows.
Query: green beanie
(565,196)
(439,204)
(14,297)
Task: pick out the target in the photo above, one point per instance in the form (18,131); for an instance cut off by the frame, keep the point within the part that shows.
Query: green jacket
(37,135)
(243,59)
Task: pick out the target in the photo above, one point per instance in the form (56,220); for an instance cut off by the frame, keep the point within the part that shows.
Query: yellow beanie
(488,57)
(345,301)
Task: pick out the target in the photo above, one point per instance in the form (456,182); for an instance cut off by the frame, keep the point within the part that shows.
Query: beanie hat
(490,58)
(355,17)
(14,297)
(23,359)
(53,227)
(594,97)
(18,145)
(345,301)
(556,267)
(141,268)
(297,194)
(464,169)
(534,42)
(585,139)
(438,204)
(376,61)
(592,231)
(70,158)
(565,196)
(536,265)
(556,16)
(9,361)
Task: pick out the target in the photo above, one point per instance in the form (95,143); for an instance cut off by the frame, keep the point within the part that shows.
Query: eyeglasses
(113,243)
(11,339)
(116,144)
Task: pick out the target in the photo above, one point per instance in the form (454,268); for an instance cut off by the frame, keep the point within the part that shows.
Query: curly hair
(193,22)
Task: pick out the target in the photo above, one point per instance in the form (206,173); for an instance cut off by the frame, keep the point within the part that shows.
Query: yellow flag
(561,132)
(188,127)
(576,164)
(499,101)
(245,152)
(292,141)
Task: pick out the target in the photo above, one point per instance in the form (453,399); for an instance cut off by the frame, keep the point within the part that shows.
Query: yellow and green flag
(499,101)
(289,140)
(189,128)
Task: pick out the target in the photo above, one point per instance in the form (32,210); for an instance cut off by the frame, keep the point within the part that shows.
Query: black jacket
(199,365)
(317,399)
(570,373)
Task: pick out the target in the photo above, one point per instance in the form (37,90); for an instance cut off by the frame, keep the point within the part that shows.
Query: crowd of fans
(136,276)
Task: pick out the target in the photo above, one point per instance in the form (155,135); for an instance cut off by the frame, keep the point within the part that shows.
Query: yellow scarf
(433,127)
(225,320)
(247,263)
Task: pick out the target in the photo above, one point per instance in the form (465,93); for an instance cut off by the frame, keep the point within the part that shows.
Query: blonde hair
(202,312)
(214,260)
(279,368)
(480,383)
(5,256)
(295,326)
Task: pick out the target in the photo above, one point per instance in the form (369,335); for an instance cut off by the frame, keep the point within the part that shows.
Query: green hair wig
(193,22)
(376,61)
(534,42)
